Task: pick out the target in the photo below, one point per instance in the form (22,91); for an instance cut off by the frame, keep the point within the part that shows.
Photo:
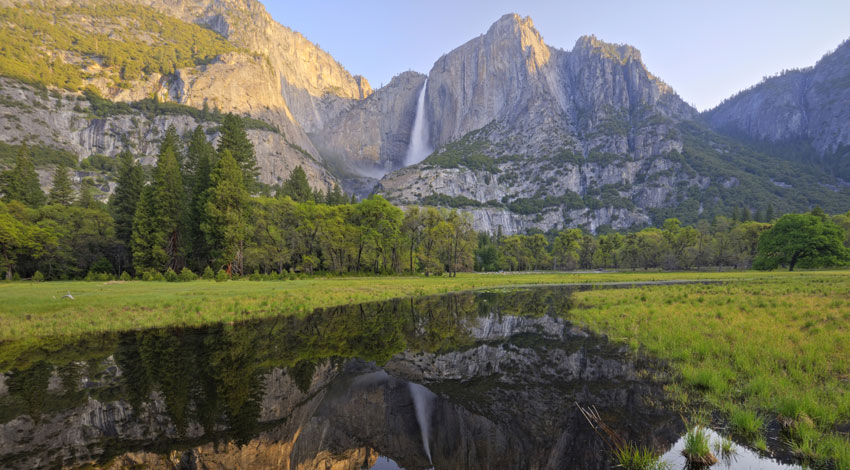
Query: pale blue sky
(706,50)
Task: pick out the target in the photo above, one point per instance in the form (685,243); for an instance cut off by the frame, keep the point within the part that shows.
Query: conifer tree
(226,215)
(144,230)
(21,182)
(86,199)
(297,186)
(122,204)
(199,160)
(171,141)
(168,197)
(62,191)
(336,197)
(235,139)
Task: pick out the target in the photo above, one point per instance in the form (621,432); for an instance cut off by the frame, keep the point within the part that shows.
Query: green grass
(761,347)
(696,445)
(631,457)
(746,423)
(773,348)
(37,309)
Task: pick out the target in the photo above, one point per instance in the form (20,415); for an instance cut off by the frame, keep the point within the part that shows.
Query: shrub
(208,274)
(256,276)
(221,276)
(126,276)
(38,277)
(171,276)
(186,275)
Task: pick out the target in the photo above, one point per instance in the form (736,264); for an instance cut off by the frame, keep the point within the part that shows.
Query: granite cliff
(806,109)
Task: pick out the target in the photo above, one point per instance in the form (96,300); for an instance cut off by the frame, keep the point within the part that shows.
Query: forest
(202,213)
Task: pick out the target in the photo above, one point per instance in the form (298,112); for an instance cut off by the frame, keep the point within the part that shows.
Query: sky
(705,50)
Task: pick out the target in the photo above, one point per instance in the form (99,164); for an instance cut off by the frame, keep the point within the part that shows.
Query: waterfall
(422,400)
(418,148)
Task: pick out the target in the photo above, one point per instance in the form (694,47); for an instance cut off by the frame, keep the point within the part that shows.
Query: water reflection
(478,381)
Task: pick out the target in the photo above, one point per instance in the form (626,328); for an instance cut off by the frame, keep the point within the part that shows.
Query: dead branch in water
(591,414)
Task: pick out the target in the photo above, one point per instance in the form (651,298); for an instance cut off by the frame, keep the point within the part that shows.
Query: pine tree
(171,141)
(122,204)
(297,186)
(168,197)
(235,139)
(144,230)
(336,197)
(199,148)
(226,215)
(199,160)
(62,191)
(769,215)
(21,182)
(86,198)
(745,214)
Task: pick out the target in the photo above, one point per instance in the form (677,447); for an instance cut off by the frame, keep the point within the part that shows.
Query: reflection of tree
(213,375)
(30,385)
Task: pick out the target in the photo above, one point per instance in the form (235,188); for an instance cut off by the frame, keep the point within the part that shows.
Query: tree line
(201,212)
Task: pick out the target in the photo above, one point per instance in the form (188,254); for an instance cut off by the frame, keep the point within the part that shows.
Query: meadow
(767,353)
(772,355)
(31,309)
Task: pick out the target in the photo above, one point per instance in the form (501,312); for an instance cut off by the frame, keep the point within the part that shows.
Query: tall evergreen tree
(198,165)
(21,182)
(199,149)
(226,214)
(144,230)
(235,139)
(171,141)
(336,197)
(62,191)
(122,204)
(86,199)
(168,203)
(297,186)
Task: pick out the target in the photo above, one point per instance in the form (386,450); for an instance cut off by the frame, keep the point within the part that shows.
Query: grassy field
(766,349)
(32,310)
(771,351)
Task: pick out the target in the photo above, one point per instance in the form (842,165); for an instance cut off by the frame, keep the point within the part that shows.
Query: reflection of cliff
(291,394)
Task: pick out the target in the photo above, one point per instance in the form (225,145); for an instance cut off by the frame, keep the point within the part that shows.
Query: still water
(485,380)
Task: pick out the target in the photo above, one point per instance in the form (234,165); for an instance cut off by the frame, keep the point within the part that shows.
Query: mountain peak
(590,44)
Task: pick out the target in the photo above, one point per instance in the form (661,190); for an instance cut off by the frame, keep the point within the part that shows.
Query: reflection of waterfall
(419,148)
(422,400)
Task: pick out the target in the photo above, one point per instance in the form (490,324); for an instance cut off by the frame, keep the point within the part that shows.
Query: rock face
(372,136)
(811,105)
(545,123)
(62,120)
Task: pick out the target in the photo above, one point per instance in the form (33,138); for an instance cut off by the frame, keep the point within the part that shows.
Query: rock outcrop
(63,120)
(811,104)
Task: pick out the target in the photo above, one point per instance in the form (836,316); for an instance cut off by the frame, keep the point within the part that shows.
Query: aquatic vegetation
(632,457)
(697,449)
(725,448)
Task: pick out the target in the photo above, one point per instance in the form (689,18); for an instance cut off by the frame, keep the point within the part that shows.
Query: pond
(476,380)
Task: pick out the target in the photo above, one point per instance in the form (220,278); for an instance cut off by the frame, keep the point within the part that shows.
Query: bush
(101,265)
(171,276)
(186,275)
(125,276)
(221,276)
(38,277)
(16,277)
(208,274)
(256,276)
